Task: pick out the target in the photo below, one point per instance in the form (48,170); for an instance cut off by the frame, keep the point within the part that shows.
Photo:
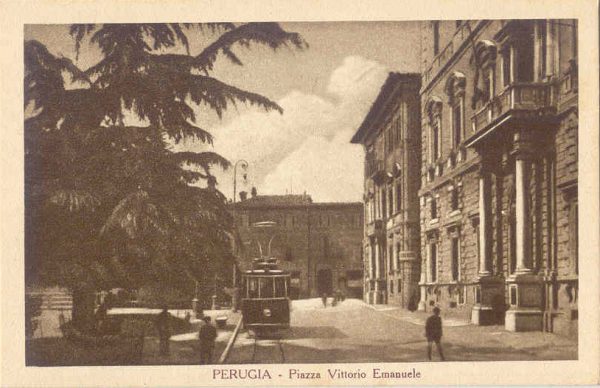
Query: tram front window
(266,287)
(252,287)
(280,291)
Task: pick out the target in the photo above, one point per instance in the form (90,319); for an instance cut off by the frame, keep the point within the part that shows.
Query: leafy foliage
(109,203)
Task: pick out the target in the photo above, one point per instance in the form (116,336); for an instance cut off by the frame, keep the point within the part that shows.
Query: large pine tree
(110,204)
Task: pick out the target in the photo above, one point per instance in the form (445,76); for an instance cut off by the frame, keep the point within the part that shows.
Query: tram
(265,297)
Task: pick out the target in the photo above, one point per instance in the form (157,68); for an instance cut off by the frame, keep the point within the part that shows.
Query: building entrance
(324,282)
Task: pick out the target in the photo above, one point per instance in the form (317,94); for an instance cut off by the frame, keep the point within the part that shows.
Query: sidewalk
(489,342)
(184,347)
(416,317)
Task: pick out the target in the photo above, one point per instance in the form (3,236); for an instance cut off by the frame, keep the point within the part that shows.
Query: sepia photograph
(321,192)
(299,193)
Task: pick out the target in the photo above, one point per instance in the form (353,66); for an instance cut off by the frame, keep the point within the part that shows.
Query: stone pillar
(522,216)
(484,224)
(525,287)
(423,286)
(489,287)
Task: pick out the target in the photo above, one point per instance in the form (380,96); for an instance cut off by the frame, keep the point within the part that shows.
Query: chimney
(253,192)
(243,195)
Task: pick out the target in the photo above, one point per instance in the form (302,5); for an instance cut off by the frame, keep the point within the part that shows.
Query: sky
(325,91)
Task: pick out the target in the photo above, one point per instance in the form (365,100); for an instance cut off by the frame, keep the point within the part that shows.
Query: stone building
(498,197)
(318,243)
(390,134)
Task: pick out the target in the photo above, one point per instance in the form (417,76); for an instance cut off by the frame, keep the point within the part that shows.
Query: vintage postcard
(364,193)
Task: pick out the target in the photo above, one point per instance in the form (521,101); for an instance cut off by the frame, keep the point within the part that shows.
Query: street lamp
(244,165)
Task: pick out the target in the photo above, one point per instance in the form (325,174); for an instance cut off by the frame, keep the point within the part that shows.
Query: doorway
(324,281)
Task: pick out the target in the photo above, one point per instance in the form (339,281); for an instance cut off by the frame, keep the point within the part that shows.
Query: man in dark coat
(163,326)
(207,336)
(433,332)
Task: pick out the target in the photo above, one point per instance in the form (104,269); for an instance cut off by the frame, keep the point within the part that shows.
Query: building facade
(318,243)
(390,135)
(498,197)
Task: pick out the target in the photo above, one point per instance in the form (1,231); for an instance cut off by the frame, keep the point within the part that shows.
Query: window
(435,140)
(454,199)
(391,287)
(383,202)
(457,123)
(433,208)
(391,201)
(434,111)
(280,287)
(436,38)
(252,287)
(399,123)
(506,67)
(399,286)
(398,196)
(488,85)
(433,261)
(455,257)
(398,250)
(389,138)
(525,52)
(542,37)
(266,288)
(391,257)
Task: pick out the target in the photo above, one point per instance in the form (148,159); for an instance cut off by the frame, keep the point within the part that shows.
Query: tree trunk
(83,309)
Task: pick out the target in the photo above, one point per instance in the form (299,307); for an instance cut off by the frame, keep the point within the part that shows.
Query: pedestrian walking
(207,336)
(324,299)
(433,332)
(163,326)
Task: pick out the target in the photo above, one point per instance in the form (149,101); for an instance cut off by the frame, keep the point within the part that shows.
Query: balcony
(374,168)
(520,100)
(374,228)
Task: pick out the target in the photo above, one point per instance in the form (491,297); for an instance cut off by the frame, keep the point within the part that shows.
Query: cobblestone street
(355,332)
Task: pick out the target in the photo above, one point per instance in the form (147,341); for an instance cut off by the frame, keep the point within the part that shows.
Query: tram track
(271,351)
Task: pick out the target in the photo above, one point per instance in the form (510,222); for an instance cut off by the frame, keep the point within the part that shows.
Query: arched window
(434,115)
(485,63)
(455,90)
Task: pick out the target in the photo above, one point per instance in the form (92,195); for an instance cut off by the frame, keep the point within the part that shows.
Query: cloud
(308,146)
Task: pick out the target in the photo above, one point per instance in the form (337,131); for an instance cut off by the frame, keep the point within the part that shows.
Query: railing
(373,167)
(516,97)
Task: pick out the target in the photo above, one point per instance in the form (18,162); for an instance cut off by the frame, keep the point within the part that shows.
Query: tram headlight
(267,312)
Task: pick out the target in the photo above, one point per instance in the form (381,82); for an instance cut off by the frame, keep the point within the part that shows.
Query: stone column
(522,215)
(422,284)
(484,224)
(525,287)
(488,286)
(377,259)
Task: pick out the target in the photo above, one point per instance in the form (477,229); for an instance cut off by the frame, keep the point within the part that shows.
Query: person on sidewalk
(324,299)
(433,332)
(207,336)
(163,326)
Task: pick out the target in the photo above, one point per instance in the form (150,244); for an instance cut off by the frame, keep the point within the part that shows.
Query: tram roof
(265,272)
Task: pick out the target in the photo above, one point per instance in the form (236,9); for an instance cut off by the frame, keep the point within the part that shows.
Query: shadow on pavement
(305,332)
